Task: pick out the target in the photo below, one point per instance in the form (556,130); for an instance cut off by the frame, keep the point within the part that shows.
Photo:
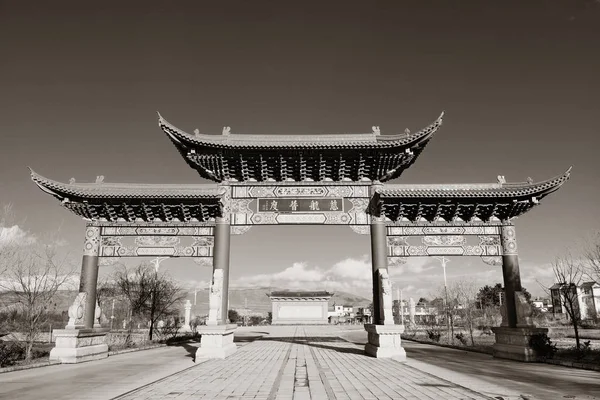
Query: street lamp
(157,262)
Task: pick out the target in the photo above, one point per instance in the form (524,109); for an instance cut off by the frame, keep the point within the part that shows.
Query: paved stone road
(302,363)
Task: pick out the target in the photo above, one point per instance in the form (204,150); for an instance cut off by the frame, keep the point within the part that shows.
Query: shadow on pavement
(187,345)
(317,341)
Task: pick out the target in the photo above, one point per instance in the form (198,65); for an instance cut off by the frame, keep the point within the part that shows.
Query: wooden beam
(302,166)
(283,172)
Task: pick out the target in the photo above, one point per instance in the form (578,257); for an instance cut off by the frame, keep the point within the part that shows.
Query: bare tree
(465,292)
(33,273)
(151,295)
(569,273)
(8,242)
(592,257)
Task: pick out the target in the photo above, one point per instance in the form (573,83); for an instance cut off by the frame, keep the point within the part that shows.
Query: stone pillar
(83,339)
(510,272)
(378,262)
(89,273)
(512,337)
(221,262)
(217,335)
(384,339)
(188,310)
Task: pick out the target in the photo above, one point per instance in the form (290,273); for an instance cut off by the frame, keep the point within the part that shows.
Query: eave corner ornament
(361,229)
(204,261)
(240,229)
(492,260)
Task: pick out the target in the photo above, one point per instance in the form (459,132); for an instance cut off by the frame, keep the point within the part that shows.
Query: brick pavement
(297,363)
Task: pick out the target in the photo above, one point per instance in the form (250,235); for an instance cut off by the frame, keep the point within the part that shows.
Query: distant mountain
(256,299)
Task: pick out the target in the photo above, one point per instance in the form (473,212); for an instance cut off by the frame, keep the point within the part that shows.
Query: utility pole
(245,311)
(444,261)
(401,308)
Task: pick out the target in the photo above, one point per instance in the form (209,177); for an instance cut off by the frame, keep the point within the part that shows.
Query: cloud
(14,235)
(353,275)
(297,275)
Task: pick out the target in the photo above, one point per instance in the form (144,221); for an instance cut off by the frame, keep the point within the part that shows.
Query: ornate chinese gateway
(316,180)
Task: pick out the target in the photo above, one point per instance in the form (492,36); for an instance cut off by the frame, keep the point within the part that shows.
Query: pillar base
(385,342)
(513,343)
(79,345)
(216,341)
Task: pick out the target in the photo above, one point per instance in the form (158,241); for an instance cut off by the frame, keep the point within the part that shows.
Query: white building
(588,299)
(300,307)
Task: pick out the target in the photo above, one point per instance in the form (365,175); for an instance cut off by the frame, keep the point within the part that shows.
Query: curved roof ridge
(62,190)
(424,133)
(484,189)
(180,136)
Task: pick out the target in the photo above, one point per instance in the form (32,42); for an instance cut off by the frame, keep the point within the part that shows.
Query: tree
(592,257)
(32,274)
(489,296)
(8,239)
(151,296)
(465,292)
(569,274)
(233,316)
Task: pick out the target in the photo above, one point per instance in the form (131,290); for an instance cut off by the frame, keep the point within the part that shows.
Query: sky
(519,82)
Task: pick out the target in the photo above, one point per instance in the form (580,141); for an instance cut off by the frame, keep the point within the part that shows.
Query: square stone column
(514,334)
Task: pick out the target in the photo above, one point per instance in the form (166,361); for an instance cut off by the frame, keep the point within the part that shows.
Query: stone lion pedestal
(513,343)
(76,344)
(79,345)
(216,341)
(385,341)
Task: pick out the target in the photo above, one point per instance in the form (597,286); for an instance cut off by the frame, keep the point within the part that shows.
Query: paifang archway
(305,179)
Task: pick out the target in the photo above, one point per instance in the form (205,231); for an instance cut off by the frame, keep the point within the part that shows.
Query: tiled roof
(494,190)
(330,141)
(124,190)
(300,294)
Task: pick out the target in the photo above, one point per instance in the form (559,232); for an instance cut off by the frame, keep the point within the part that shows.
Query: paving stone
(298,363)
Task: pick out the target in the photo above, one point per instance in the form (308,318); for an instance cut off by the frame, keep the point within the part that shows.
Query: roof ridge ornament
(72,181)
(376,130)
(226,130)
(99,179)
(501,179)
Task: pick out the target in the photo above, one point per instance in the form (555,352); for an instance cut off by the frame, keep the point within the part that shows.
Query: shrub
(39,352)
(10,353)
(461,337)
(542,345)
(433,335)
(584,350)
